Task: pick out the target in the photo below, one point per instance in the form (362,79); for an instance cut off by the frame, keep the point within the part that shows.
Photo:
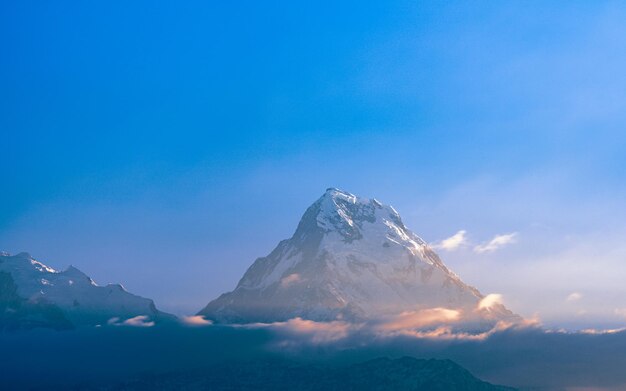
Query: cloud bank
(521,355)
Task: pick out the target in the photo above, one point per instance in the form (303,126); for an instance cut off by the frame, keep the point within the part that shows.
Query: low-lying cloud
(419,319)
(432,323)
(520,355)
(137,321)
(197,320)
(316,332)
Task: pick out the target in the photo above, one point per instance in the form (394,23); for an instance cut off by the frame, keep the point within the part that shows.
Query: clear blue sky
(165,146)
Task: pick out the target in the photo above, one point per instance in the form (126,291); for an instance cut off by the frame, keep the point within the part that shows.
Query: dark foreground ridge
(380,374)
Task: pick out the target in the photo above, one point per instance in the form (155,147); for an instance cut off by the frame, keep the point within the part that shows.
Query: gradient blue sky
(166,146)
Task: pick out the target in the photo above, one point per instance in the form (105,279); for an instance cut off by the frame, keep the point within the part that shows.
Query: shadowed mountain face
(17,313)
(350,258)
(408,374)
(35,295)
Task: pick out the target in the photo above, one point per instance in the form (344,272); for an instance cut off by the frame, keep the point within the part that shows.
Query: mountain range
(350,258)
(33,294)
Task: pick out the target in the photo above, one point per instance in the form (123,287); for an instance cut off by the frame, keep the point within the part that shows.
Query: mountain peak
(345,213)
(334,192)
(350,258)
(24,255)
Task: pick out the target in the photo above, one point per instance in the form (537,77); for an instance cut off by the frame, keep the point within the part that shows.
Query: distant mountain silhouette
(382,374)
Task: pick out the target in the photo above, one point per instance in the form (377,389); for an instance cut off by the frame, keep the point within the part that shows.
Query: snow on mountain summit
(36,295)
(351,258)
(345,213)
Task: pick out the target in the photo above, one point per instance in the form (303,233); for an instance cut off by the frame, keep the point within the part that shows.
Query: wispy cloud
(316,332)
(574,296)
(460,240)
(137,321)
(602,331)
(496,243)
(449,333)
(452,243)
(418,319)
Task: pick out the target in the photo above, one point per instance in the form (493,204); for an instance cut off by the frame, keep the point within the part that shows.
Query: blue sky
(166,146)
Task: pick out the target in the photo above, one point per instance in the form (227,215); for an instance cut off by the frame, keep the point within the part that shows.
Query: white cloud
(574,296)
(197,320)
(601,331)
(453,242)
(496,243)
(137,321)
(490,300)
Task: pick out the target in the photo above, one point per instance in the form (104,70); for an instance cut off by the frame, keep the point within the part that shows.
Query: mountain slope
(35,295)
(18,313)
(350,258)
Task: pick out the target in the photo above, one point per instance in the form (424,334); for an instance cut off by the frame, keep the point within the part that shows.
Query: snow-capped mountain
(33,294)
(350,258)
